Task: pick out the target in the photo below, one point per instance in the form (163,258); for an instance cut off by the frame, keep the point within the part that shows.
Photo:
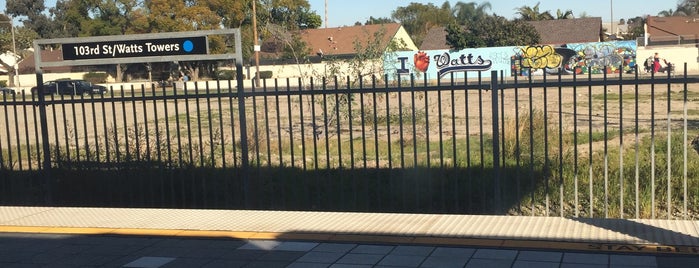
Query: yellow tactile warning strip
(609,235)
(374,239)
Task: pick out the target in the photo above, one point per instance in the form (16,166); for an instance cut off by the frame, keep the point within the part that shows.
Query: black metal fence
(615,145)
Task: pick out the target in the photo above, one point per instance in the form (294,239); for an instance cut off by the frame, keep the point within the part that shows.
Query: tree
(492,31)
(383,20)
(465,13)
(533,14)
(564,15)
(418,19)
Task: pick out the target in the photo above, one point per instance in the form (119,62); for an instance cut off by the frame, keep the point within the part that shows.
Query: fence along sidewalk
(570,146)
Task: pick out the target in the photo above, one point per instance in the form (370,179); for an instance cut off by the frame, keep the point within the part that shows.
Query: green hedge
(3,83)
(265,74)
(95,78)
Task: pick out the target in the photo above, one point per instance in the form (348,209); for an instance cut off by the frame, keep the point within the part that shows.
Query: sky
(346,13)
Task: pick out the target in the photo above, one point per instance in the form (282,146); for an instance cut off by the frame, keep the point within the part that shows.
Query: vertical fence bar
(621,145)
(606,148)
(547,163)
(589,143)
(636,147)
(684,138)
(560,145)
(575,144)
(669,147)
(495,90)
(17,135)
(243,133)
(652,145)
(46,163)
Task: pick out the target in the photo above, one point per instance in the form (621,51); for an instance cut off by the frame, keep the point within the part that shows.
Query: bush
(226,75)
(3,83)
(265,74)
(95,78)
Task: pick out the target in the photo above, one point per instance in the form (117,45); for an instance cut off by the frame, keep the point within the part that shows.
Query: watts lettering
(446,64)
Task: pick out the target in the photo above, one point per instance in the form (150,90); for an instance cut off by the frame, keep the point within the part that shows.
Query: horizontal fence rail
(615,146)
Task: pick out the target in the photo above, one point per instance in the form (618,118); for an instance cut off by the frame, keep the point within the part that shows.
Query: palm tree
(469,12)
(533,14)
(666,13)
(568,14)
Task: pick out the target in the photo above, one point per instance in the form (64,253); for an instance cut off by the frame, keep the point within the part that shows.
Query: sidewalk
(117,237)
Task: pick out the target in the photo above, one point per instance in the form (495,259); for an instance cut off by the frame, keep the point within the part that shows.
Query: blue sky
(344,12)
(347,12)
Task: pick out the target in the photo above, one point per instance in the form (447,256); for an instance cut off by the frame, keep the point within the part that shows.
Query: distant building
(671,31)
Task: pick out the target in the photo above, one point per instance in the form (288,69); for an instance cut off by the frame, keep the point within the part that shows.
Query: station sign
(135,48)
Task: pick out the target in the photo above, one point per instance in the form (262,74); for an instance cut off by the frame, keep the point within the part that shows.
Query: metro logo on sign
(135,48)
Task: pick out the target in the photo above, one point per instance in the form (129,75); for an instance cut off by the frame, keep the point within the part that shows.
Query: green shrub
(226,75)
(95,78)
(265,74)
(3,83)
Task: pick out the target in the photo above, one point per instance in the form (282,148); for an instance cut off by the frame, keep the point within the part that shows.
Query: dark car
(7,91)
(70,87)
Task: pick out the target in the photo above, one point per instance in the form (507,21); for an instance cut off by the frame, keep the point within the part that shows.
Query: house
(565,31)
(339,42)
(552,32)
(672,30)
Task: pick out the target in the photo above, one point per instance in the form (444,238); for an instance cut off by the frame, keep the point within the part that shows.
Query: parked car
(7,91)
(70,87)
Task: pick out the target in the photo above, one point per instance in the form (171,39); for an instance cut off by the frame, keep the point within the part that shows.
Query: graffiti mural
(614,57)
(582,58)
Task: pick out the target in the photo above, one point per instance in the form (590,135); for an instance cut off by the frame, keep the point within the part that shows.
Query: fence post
(494,89)
(243,133)
(46,165)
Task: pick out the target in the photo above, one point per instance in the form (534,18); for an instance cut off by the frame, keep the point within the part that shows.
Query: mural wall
(618,56)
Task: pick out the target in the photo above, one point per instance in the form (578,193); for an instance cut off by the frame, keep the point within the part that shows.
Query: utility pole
(256,45)
(14,52)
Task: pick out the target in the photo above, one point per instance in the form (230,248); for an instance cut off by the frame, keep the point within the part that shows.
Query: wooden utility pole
(256,45)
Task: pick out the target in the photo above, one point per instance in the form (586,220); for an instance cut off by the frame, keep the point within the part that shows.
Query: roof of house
(436,38)
(28,65)
(566,31)
(340,40)
(673,27)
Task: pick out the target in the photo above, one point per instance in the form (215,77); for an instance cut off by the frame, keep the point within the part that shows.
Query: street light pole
(14,51)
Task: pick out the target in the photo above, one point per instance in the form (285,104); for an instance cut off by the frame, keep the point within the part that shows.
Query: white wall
(676,55)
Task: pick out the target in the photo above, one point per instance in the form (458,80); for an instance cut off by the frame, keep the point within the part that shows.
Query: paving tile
(320,257)
(335,247)
(225,264)
(585,258)
(149,262)
(633,260)
(401,261)
(267,264)
(342,265)
(453,252)
(582,265)
(352,258)
(489,263)
(677,262)
(444,262)
(260,245)
(308,265)
(498,254)
(296,246)
(544,256)
(289,256)
(412,250)
(537,264)
(372,249)
(243,255)
(186,263)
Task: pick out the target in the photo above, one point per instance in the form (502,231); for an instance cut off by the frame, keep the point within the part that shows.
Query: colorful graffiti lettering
(612,57)
(540,57)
